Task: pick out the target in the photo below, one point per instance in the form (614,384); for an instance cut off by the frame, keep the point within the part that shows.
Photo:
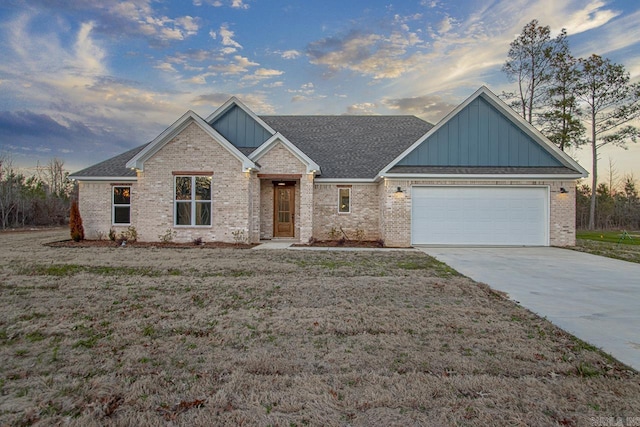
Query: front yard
(612,244)
(148,336)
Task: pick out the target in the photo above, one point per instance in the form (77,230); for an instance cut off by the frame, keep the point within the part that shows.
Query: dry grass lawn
(144,336)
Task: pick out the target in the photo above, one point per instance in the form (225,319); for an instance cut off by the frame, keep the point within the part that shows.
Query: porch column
(306,207)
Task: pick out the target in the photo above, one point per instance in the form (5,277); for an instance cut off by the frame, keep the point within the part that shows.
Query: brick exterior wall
(193,150)
(396,208)
(280,161)
(244,201)
(364,215)
(95,207)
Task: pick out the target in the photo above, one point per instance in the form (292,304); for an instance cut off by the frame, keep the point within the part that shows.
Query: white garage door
(457,215)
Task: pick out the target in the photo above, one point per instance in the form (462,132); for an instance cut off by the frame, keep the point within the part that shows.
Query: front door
(283,211)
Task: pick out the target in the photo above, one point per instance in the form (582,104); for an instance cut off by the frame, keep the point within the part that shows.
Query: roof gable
(239,125)
(484,132)
(350,147)
(312,167)
(161,140)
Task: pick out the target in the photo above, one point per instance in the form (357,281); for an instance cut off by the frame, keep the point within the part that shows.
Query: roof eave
(478,176)
(103,178)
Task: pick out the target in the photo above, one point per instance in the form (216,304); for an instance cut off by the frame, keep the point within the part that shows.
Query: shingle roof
(479,170)
(350,146)
(113,167)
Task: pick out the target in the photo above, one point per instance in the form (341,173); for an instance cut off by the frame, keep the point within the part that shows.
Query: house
(481,176)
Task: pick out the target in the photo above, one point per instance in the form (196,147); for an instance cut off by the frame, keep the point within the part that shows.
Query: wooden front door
(283,211)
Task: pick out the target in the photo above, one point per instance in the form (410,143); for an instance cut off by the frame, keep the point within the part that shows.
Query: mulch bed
(109,243)
(343,244)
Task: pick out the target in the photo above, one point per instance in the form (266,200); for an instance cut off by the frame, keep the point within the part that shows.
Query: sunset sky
(83,80)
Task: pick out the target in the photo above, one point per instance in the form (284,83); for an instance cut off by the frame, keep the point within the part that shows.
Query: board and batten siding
(240,128)
(479,135)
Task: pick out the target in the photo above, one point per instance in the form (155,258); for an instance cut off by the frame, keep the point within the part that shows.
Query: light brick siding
(193,150)
(396,208)
(95,207)
(280,161)
(364,215)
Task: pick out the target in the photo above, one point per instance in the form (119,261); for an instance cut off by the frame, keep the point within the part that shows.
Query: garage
(480,215)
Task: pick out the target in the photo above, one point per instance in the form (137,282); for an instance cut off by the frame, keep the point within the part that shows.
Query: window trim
(120,205)
(340,211)
(193,201)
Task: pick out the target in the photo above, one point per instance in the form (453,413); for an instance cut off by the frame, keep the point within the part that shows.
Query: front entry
(283,210)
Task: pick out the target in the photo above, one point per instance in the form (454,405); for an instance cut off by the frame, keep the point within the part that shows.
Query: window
(344,200)
(193,200)
(121,212)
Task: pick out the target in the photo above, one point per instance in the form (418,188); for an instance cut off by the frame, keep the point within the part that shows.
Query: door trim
(290,233)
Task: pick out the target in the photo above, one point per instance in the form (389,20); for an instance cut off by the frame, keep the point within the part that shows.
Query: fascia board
(179,125)
(517,120)
(492,177)
(531,130)
(103,178)
(235,101)
(345,181)
(278,137)
(430,132)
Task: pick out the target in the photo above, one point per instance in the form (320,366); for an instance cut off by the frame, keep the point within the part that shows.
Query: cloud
(239,65)
(239,4)
(290,54)
(227,37)
(432,107)
(273,84)
(256,102)
(165,66)
(263,73)
(376,55)
(22,123)
(592,15)
(362,108)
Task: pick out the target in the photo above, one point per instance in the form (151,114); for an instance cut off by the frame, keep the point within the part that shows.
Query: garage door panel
(480,215)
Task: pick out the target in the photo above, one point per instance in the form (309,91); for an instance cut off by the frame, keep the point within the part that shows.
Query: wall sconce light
(399,190)
(563,190)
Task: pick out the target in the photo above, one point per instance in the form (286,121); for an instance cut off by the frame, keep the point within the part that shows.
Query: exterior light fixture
(563,190)
(281,183)
(399,190)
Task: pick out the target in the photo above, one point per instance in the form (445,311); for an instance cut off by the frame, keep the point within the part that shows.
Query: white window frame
(340,211)
(119,205)
(193,202)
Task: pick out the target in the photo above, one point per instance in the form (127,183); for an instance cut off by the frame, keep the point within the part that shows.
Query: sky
(84,80)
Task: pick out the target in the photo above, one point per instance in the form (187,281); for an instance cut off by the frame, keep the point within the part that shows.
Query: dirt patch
(105,336)
(343,244)
(620,251)
(108,243)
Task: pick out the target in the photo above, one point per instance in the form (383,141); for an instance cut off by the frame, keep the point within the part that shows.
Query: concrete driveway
(595,298)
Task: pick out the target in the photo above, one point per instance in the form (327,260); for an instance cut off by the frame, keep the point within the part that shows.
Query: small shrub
(359,234)
(239,236)
(168,236)
(101,235)
(342,241)
(333,233)
(75,223)
(112,234)
(380,243)
(197,241)
(131,235)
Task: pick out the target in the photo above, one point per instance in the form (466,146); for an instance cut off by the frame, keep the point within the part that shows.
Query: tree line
(42,199)
(573,101)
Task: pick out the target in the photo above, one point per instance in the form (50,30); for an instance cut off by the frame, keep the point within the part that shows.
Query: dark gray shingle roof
(113,167)
(350,146)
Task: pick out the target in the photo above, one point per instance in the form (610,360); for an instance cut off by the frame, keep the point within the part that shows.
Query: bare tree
(529,65)
(612,102)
